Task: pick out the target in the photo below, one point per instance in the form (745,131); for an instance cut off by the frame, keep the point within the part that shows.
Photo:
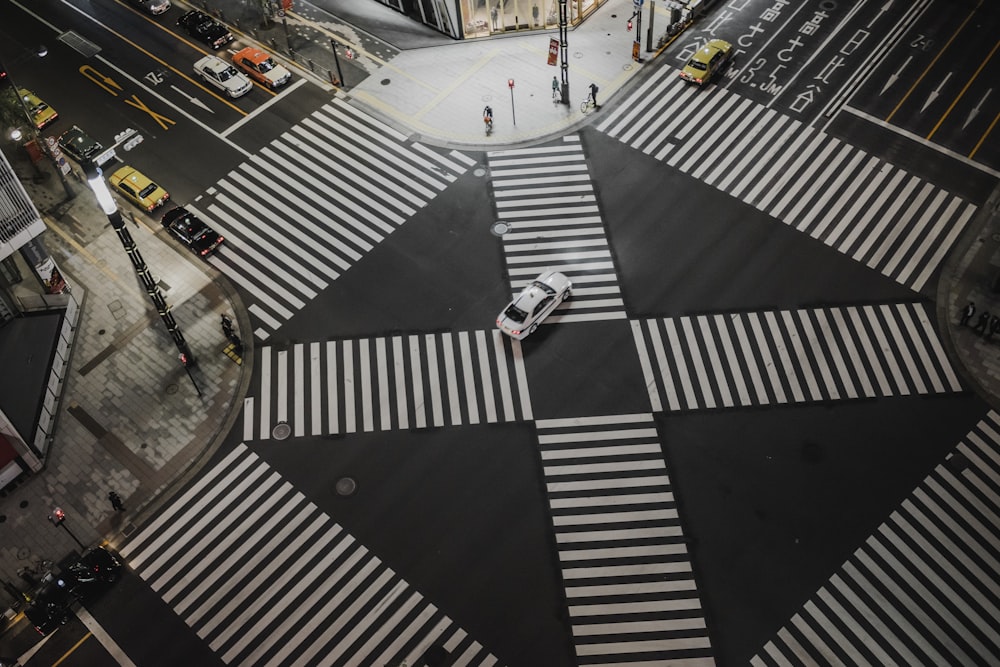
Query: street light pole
(110,208)
(58,518)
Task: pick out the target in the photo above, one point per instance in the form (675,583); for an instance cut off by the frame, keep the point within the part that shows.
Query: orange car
(261,67)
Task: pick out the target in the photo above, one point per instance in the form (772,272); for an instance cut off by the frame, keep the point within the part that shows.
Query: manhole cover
(500,228)
(478,172)
(171,389)
(281,431)
(346,486)
(384,82)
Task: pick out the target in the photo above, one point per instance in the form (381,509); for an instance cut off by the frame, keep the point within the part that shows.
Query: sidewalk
(129,419)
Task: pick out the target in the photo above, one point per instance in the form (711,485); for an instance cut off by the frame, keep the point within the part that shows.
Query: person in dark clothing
(982,323)
(116,501)
(993,328)
(593,95)
(967,313)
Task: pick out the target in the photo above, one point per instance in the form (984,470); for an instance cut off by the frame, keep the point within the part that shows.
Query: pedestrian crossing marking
(545,195)
(381,384)
(821,354)
(629,585)
(335,202)
(922,589)
(893,222)
(241,547)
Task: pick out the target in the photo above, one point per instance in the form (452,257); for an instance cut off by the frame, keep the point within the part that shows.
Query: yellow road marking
(67,653)
(964,88)
(939,54)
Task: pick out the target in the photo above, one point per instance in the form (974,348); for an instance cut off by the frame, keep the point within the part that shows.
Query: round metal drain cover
(500,228)
(478,172)
(346,486)
(281,431)
(385,82)
(171,389)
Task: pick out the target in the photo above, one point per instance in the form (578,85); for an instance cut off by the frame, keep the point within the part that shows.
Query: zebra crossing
(629,585)
(265,578)
(791,356)
(862,206)
(388,383)
(308,206)
(924,589)
(545,195)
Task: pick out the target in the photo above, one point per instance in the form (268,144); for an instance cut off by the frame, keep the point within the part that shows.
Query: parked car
(50,605)
(205,29)
(539,298)
(138,188)
(707,61)
(261,67)
(41,113)
(191,231)
(81,147)
(218,73)
(153,7)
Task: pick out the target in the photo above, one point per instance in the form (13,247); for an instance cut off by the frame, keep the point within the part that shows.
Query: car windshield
(698,65)
(227,74)
(542,286)
(148,190)
(265,65)
(515,314)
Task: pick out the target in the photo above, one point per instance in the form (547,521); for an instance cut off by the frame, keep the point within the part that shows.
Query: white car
(539,298)
(222,75)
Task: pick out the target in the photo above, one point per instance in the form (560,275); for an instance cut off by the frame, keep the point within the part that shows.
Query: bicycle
(587,104)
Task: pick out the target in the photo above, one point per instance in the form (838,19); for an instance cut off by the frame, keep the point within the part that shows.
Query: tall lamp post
(58,518)
(110,208)
(41,52)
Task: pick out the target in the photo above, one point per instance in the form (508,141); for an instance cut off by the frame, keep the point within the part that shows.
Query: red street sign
(553,51)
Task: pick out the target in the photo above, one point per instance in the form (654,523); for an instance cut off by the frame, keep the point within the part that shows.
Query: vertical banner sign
(553,51)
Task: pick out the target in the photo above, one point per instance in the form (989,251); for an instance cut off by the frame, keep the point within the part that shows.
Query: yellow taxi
(138,188)
(41,113)
(707,61)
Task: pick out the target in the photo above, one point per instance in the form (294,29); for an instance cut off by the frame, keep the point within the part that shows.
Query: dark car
(154,7)
(191,231)
(206,29)
(96,566)
(49,606)
(81,146)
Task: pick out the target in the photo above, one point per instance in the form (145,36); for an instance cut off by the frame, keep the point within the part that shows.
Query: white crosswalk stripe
(629,585)
(314,201)
(821,354)
(924,589)
(880,215)
(265,578)
(397,382)
(545,195)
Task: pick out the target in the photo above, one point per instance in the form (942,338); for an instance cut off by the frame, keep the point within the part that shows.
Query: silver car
(539,298)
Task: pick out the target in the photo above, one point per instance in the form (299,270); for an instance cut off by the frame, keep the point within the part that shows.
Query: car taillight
(204,252)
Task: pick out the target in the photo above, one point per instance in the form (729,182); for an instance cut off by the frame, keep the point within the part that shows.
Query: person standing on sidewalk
(967,314)
(981,323)
(593,95)
(116,501)
(555,90)
(993,328)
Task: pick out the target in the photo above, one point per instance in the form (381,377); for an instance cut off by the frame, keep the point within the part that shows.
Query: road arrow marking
(975,110)
(934,93)
(192,100)
(882,10)
(893,78)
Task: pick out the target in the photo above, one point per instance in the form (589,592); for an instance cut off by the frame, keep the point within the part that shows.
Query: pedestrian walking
(555,90)
(967,314)
(593,95)
(993,328)
(493,14)
(982,323)
(116,501)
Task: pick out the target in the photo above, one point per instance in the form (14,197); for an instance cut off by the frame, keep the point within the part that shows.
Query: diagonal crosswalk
(629,584)
(882,216)
(388,383)
(924,589)
(545,195)
(308,206)
(265,578)
(791,356)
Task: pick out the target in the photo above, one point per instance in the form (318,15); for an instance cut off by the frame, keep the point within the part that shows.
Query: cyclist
(488,118)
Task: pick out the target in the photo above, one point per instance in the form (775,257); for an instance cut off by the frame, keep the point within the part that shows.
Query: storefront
(466,19)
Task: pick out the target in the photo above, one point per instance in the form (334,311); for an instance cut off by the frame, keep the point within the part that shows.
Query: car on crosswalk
(260,66)
(707,61)
(41,113)
(191,231)
(536,301)
(218,73)
(138,188)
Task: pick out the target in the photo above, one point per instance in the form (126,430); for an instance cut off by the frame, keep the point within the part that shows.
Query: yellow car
(707,61)
(41,113)
(137,188)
